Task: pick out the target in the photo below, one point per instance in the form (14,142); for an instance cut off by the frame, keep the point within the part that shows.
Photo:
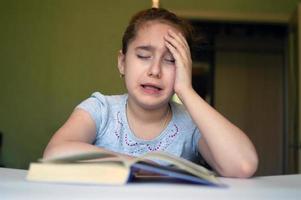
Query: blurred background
(55,53)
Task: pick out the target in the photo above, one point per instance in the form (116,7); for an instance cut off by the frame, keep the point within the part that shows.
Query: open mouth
(151,87)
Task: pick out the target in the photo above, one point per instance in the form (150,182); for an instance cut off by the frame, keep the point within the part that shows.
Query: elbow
(244,168)
(51,150)
(247,169)
(249,166)
(47,152)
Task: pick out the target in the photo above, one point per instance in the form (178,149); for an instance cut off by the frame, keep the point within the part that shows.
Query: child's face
(148,66)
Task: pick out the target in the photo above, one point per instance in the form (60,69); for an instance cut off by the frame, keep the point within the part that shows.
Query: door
(249,91)
(293,88)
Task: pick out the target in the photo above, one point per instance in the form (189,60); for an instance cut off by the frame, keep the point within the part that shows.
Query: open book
(115,169)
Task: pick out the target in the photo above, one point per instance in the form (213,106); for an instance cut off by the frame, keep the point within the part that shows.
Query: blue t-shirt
(179,138)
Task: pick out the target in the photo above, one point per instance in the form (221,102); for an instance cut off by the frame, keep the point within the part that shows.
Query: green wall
(55,53)
(248,6)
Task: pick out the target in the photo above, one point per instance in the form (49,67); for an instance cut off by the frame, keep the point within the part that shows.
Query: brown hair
(155,14)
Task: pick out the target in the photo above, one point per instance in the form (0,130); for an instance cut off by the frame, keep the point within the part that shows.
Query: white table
(14,186)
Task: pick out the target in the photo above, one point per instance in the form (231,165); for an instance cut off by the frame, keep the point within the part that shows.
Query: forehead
(155,26)
(152,33)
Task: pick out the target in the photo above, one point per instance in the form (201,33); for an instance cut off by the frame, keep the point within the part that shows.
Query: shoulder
(100,107)
(101,104)
(107,100)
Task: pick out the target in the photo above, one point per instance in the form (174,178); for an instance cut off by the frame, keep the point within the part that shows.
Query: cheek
(129,68)
(133,72)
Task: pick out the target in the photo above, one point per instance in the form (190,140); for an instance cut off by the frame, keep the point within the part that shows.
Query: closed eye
(143,56)
(170,60)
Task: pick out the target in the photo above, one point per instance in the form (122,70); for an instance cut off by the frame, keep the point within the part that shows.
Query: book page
(182,164)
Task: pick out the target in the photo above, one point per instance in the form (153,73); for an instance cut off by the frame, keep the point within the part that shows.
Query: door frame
(292,116)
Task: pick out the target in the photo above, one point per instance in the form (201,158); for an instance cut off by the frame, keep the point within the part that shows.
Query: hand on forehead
(151,35)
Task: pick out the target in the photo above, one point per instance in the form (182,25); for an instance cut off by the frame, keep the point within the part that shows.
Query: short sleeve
(195,140)
(200,159)
(97,107)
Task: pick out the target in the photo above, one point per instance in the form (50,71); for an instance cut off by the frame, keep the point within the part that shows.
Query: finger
(185,54)
(177,44)
(174,51)
(183,67)
(175,40)
(185,41)
(179,37)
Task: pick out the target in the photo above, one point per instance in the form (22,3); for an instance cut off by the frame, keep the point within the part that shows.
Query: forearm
(74,147)
(225,146)
(67,148)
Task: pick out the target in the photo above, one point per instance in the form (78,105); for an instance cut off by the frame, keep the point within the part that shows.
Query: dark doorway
(240,70)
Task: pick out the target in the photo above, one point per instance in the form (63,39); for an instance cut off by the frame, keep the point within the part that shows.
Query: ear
(121,62)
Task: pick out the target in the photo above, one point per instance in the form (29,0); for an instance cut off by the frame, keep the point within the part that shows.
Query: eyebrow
(145,47)
(149,48)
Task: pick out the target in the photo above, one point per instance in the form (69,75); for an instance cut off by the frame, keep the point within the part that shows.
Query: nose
(155,69)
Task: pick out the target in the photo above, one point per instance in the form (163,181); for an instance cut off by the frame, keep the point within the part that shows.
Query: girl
(155,62)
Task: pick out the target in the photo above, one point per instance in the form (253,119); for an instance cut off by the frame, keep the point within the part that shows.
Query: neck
(147,124)
(139,113)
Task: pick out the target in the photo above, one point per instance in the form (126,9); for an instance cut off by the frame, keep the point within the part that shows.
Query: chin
(151,103)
